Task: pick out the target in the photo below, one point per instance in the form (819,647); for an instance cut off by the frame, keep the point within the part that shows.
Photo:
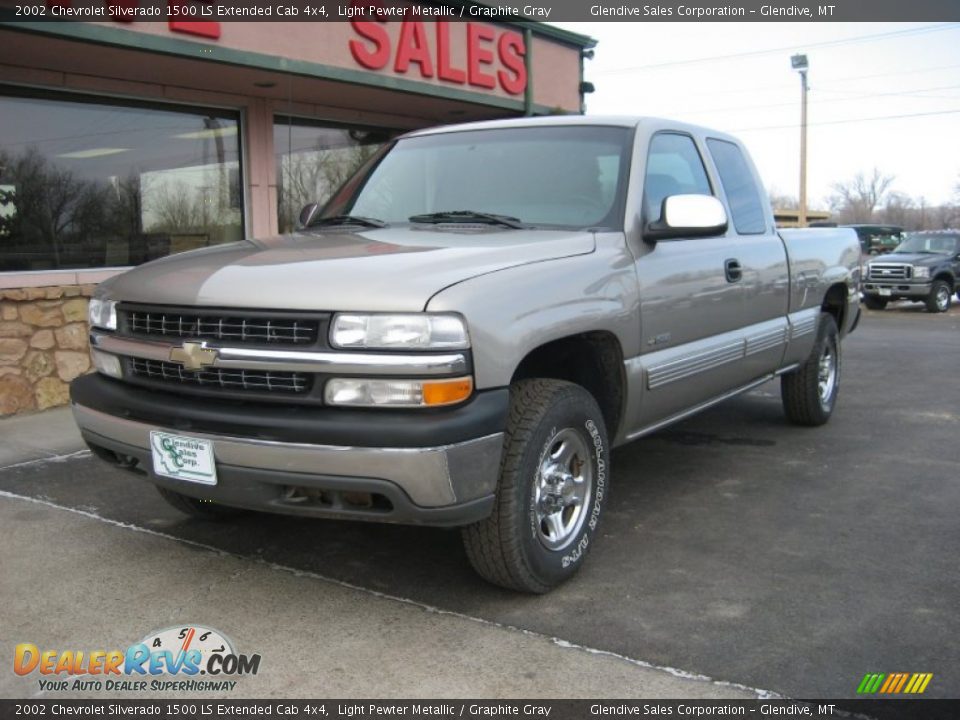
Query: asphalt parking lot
(735,546)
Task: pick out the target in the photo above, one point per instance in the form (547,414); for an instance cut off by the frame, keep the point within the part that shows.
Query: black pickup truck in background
(923,268)
(877,239)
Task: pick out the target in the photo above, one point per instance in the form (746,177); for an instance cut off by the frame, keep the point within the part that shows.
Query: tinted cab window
(746,207)
(674,167)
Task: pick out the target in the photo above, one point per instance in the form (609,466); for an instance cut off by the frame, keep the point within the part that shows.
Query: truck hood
(388,269)
(909,258)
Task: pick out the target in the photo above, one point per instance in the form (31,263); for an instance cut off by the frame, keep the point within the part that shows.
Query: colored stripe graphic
(901,681)
(918,683)
(870,683)
(894,683)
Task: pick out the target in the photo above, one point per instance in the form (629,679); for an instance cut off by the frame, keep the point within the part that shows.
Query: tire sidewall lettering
(601,473)
(573,554)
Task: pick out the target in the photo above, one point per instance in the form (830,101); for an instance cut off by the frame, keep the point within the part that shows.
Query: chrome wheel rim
(943,298)
(827,375)
(564,485)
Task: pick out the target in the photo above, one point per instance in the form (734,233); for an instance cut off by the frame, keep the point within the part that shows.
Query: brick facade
(43,345)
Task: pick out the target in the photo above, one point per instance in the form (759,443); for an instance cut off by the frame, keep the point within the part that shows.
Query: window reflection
(313,161)
(88,184)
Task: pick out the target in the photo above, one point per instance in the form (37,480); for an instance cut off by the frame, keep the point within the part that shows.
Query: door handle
(732,270)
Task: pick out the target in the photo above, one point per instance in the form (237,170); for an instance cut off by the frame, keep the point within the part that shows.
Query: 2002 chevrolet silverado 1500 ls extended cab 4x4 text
(463,332)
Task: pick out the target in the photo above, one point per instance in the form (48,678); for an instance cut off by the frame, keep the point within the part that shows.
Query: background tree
(856,200)
(782,201)
(314,175)
(899,209)
(49,211)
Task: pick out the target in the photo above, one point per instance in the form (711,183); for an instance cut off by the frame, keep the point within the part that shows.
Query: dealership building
(125,141)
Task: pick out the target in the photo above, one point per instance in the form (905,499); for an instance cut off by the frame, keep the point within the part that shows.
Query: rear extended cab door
(712,309)
(761,254)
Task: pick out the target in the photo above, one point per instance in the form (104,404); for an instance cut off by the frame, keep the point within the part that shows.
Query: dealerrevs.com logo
(180,658)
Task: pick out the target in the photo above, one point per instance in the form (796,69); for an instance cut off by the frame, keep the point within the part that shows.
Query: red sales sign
(493,58)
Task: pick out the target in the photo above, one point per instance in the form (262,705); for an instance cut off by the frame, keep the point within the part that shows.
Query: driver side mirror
(306,215)
(688,216)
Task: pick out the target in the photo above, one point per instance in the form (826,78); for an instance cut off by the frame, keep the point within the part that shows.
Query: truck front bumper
(893,289)
(363,465)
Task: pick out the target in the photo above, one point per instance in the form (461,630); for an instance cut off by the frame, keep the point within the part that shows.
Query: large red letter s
(378,56)
(512,50)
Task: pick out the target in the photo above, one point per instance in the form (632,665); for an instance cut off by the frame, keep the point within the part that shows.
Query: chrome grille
(890,271)
(221,378)
(234,328)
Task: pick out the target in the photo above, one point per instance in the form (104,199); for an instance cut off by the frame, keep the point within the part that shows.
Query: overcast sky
(737,77)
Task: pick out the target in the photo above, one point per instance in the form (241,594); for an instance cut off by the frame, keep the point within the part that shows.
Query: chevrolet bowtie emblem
(193,356)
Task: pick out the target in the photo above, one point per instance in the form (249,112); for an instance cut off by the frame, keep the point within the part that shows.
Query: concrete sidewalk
(40,435)
(73,580)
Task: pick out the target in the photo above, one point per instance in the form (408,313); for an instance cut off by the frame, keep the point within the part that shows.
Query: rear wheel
(200,509)
(938,300)
(810,393)
(874,303)
(553,486)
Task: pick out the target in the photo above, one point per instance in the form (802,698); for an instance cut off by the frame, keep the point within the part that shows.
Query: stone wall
(43,345)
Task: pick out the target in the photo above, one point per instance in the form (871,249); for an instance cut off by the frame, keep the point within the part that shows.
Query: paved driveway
(735,545)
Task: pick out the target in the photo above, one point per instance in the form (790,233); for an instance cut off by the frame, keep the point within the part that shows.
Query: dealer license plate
(183,458)
(884,292)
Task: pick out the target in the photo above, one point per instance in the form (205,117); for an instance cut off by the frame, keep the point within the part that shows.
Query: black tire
(523,545)
(200,509)
(874,303)
(809,393)
(938,301)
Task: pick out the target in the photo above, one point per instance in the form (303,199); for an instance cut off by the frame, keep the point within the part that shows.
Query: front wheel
(938,300)
(554,475)
(809,393)
(874,303)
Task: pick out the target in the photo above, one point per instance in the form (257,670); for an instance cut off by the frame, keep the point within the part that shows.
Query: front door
(691,294)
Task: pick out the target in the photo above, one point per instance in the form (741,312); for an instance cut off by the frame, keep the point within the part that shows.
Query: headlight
(360,392)
(399,332)
(920,273)
(866,271)
(102,314)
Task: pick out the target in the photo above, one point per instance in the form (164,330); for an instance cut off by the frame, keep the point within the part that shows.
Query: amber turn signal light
(446,392)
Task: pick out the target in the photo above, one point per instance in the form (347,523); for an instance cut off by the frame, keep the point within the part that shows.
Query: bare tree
(50,206)
(782,201)
(943,217)
(315,175)
(175,207)
(899,209)
(857,199)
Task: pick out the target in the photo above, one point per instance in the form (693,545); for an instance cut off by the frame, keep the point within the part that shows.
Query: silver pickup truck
(461,334)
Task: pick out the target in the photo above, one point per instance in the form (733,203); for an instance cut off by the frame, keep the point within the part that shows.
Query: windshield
(929,243)
(569,177)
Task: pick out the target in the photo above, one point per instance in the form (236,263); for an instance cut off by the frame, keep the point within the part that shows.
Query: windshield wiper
(467,216)
(348,220)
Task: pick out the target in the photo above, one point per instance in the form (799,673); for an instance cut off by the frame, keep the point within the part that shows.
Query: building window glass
(313,160)
(88,184)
